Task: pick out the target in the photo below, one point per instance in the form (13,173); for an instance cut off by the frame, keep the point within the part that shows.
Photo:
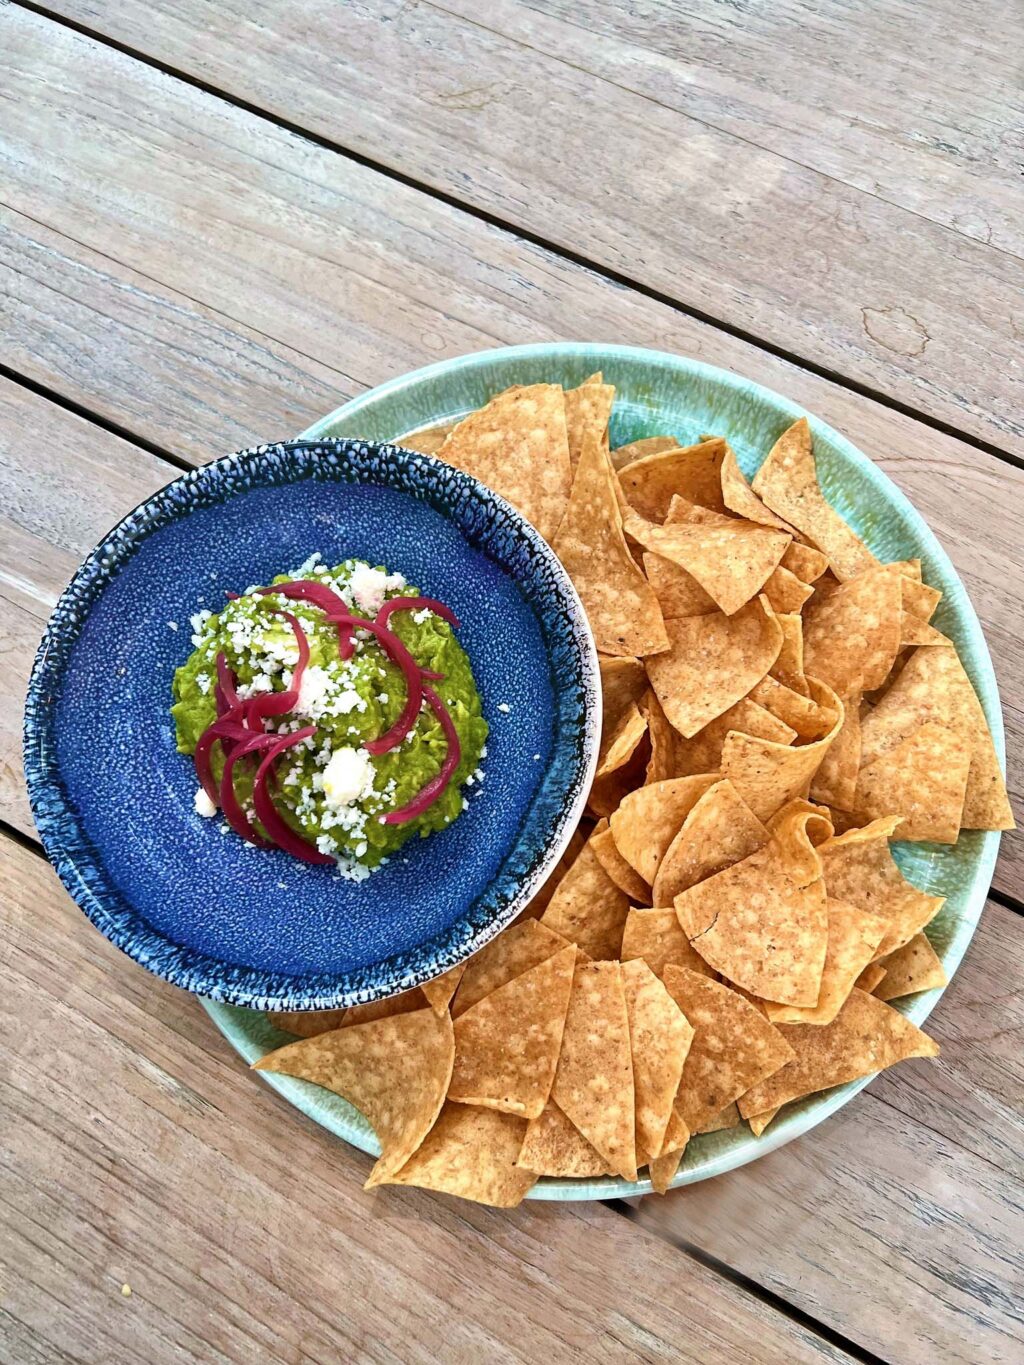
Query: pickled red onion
(429,793)
(229,804)
(318,595)
(270,818)
(416,604)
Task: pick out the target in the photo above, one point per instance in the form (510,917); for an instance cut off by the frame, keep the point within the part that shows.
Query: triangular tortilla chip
(733,1048)
(439,992)
(588,908)
(607,792)
(720,830)
(785,591)
(620,604)
(662,738)
(729,1117)
(835,782)
(663,1168)
(916,632)
(513,952)
(587,410)
(637,450)
(797,829)
(853,938)
(767,775)
(678,592)
(659,1038)
(870,977)
(307,1023)
(787,483)
(622,873)
(470,1153)
(681,511)
(759,929)
(859,868)
(789,666)
(703,753)
(759,1122)
(649,819)
(805,561)
(507,1045)
(623,743)
(554,1146)
(712,662)
(933,687)
(594,1081)
(517,444)
(542,898)
(692,471)
(395,1071)
(914,967)
(852,636)
(655,936)
(404,1003)
(428,440)
(923,780)
(866,1036)
(739,497)
(810,719)
(623,682)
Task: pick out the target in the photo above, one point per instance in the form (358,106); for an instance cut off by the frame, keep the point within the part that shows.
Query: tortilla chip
(637,450)
(649,819)
(866,1036)
(677,591)
(608,791)
(507,1045)
(588,908)
(428,440)
(542,898)
(807,563)
(659,1039)
(853,938)
(756,926)
(919,599)
(835,782)
(720,830)
(734,1047)
(789,666)
(767,775)
(759,1122)
(623,744)
(587,410)
(623,683)
(712,662)
(852,636)
(787,483)
(620,604)
(307,1023)
(728,1118)
(517,444)
(513,952)
(859,868)
(914,967)
(395,1071)
(404,1003)
(739,497)
(933,687)
(594,1081)
(810,719)
(655,936)
(796,830)
(681,511)
(622,873)
(703,753)
(439,992)
(691,471)
(785,591)
(916,632)
(554,1146)
(663,1168)
(870,977)
(923,780)
(662,738)
(470,1153)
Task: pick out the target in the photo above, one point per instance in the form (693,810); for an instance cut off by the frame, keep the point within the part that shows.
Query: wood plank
(815,266)
(197,366)
(138,1150)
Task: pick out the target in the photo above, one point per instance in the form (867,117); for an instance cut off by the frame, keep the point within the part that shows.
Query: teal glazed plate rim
(657,392)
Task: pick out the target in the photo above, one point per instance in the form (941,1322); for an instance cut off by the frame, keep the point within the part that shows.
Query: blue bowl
(112,798)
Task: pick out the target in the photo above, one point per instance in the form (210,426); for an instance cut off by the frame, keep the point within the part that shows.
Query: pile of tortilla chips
(725,931)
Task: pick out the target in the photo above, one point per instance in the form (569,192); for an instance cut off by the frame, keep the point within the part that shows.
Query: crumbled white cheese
(504,707)
(369,586)
(204,682)
(204,806)
(346,776)
(172,625)
(316,683)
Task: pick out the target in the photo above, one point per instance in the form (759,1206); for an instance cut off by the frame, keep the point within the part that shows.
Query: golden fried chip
(554,1146)
(439,992)
(622,873)
(623,743)
(648,820)
(787,483)
(542,898)
(395,1071)
(853,938)
(608,791)
(681,511)
(620,604)
(835,782)
(703,753)
(662,738)
(587,409)
(720,830)
(507,1045)
(517,444)
(852,636)
(914,967)
(739,497)
(859,868)
(797,829)
(734,1046)
(766,774)
(623,682)
(785,591)
(807,563)
(756,926)
(870,977)
(588,908)
(866,1036)
(663,1168)
(659,1039)
(594,1081)
(712,662)
(729,1118)
(923,780)
(810,719)
(759,1122)
(513,952)
(789,666)
(428,440)
(655,936)
(307,1023)
(404,1003)
(678,592)
(637,450)
(694,472)
(914,631)
(470,1153)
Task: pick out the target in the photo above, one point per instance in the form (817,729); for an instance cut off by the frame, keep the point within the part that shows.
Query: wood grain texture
(633,182)
(138,1150)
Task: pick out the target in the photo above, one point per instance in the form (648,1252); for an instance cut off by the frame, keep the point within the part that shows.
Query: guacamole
(328,787)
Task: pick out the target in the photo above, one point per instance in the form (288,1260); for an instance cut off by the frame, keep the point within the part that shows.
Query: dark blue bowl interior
(113,798)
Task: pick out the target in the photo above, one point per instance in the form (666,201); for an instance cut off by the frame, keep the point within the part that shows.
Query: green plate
(658,393)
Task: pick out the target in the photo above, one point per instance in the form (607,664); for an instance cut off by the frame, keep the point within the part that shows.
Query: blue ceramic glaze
(113,798)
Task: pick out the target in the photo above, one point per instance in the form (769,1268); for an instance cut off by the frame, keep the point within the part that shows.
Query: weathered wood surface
(138,1150)
(664,187)
(324,269)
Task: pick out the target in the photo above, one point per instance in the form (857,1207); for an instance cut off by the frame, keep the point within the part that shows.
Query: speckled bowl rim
(80,867)
(705,1161)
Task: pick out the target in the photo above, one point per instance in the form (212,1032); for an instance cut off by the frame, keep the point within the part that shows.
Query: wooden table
(219,222)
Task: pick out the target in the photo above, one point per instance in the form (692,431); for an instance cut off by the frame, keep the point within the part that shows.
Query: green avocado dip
(328,788)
